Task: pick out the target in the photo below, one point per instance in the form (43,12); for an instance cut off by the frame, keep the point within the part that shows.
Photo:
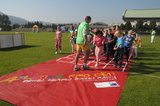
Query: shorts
(80,47)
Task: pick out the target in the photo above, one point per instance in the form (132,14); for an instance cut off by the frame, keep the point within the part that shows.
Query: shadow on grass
(148,63)
(17,48)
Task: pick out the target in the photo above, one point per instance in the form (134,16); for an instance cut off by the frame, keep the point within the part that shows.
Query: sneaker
(60,51)
(85,67)
(77,69)
(96,65)
(56,52)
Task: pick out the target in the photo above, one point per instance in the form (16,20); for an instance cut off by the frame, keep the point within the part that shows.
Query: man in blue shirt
(119,49)
(128,44)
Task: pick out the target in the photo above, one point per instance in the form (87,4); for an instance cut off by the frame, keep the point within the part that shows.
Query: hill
(16,20)
(20,21)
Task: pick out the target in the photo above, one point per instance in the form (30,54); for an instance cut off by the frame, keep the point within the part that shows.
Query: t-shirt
(99,40)
(120,41)
(72,33)
(135,42)
(153,33)
(114,40)
(82,30)
(58,34)
(128,41)
(110,37)
(70,30)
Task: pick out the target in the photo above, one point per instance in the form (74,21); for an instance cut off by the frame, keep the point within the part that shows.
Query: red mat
(54,83)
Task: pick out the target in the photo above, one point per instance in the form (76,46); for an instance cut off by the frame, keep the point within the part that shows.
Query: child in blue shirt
(119,49)
(128,39)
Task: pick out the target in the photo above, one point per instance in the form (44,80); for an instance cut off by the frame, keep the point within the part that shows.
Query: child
(99,41)
(139,41)
(135,46)
(72,37)
(58,40)
(90,40)
(119,49)
(109,45)
(128,39)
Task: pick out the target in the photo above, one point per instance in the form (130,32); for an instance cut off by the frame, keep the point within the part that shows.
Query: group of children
(116,44)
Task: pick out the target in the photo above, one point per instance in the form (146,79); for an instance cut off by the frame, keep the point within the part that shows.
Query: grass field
(142,87)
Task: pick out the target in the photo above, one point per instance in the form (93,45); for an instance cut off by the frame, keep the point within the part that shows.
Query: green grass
(142,87)
(39,47)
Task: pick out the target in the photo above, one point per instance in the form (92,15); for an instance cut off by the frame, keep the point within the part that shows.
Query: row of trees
(40,25)
(5,24)
(140,26)
(31,24)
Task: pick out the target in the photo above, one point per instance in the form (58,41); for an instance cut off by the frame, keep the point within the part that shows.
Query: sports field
(142,87)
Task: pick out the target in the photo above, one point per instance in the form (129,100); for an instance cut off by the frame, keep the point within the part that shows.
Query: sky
(68,11)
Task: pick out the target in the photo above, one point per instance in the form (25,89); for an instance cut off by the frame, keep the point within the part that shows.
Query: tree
(5,22)
(158,29)
(152,25)
(31,24)
(54,26)
(139,25)
(146,27)
(128,25)
(40,25)
(15,26)
(122,27)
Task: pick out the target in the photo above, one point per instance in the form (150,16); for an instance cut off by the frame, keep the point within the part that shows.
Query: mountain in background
(15,20)
(20,21)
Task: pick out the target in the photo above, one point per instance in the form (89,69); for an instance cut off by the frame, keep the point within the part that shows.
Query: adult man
(153,34)
(82,43)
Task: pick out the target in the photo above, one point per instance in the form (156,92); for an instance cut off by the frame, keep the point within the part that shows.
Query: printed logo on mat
(106,84)
(100,76)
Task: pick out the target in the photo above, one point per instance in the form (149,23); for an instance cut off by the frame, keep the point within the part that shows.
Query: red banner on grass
(54,83)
